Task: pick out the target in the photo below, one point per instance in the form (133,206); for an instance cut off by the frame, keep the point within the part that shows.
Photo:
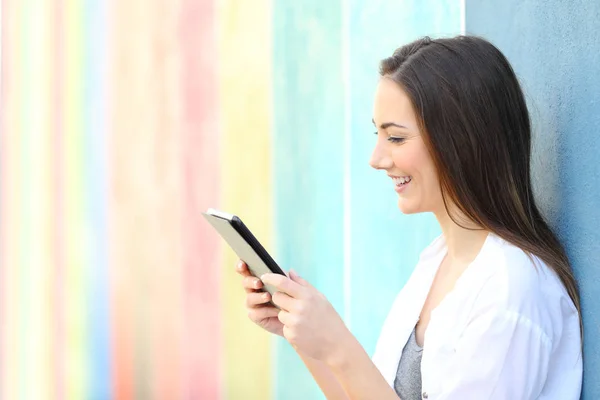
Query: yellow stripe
(245,90)
(37,245)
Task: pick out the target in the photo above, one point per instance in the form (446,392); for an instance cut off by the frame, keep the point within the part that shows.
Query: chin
(408,208)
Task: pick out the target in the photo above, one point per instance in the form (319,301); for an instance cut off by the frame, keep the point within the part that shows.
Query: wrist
(342,354)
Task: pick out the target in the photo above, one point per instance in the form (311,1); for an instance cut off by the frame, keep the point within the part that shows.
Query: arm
(337,361)
(326,380)
(358,375)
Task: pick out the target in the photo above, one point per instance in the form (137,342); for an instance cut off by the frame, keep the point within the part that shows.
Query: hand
(310,323)
(257,302)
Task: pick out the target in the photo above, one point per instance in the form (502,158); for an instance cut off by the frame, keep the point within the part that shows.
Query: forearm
(325,378)
(358,375)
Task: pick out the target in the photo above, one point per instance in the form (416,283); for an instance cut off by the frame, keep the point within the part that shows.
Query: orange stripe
(121,270)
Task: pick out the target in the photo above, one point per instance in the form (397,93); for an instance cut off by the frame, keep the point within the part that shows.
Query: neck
(463,242)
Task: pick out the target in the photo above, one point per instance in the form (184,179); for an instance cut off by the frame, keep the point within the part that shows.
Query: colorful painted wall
(120,121)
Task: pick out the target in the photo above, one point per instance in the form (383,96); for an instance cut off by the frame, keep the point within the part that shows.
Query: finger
(242,268)
(257,298)
(284,301)
(256,314)
(252,283)
(298,279)
(283,284)
(285,318)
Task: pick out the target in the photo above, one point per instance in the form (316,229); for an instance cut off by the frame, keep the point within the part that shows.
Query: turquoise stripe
(385,243)
(308,171)
(95,194)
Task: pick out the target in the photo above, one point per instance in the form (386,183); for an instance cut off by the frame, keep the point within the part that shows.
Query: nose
(380,159)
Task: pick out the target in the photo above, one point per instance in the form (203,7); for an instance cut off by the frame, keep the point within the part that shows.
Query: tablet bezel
(237,224)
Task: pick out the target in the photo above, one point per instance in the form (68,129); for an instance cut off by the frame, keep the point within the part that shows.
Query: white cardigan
(508,330)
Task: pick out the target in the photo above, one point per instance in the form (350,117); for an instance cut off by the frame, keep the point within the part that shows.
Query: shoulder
(515,276)
(516,283)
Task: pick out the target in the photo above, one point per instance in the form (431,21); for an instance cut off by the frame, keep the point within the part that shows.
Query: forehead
(392,104)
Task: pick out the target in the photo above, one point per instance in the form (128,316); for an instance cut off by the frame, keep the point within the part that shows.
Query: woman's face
(401,152)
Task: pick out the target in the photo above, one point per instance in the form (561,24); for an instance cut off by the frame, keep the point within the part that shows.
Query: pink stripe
(58,246)
(200,185)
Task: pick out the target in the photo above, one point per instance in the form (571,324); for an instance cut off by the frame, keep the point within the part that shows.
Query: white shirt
(508,329)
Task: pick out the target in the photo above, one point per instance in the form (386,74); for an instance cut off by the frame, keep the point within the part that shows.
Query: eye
(394,139)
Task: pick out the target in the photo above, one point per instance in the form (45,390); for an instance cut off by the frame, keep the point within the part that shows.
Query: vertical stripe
(30,277)
(42,189)
(95,122)
(33,277)
(2,180)
(200,181)
(57,332)
(22,256)
(385,243)
(347,93)
(309,162)
(4,361)
(245,107)
(10,186)
(165,273)
(76,269)
(124,213)
(146,220)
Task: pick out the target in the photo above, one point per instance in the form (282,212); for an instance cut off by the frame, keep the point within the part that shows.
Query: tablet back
(241,247)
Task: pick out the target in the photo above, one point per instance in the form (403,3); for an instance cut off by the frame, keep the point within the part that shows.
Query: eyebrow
(386,125)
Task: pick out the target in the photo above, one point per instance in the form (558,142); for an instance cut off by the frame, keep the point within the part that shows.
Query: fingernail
(256,284)
(266,296)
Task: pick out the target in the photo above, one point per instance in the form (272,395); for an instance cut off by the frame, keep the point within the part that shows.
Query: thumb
(296,278)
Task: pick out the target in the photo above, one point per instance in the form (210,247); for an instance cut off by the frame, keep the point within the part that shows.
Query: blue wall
(554,47)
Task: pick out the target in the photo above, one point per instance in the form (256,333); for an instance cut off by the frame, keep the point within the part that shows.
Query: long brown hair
(476,126)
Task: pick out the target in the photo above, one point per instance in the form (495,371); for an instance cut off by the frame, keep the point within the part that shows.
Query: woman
(491,310)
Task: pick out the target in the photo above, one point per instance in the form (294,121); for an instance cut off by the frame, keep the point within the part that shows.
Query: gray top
(408,376)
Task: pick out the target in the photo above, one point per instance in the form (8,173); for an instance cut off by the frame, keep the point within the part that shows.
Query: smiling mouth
(401,180)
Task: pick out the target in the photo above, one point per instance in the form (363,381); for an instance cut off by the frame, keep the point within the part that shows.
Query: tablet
(244,244)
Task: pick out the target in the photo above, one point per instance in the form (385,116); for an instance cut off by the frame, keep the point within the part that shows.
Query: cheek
(410,160)
(417,163)
(404,160)
(432,191)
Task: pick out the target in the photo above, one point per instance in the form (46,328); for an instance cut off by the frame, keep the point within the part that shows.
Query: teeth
(402,180)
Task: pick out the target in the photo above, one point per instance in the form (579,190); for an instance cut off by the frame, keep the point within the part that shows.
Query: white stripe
(347,160)
(463,17)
